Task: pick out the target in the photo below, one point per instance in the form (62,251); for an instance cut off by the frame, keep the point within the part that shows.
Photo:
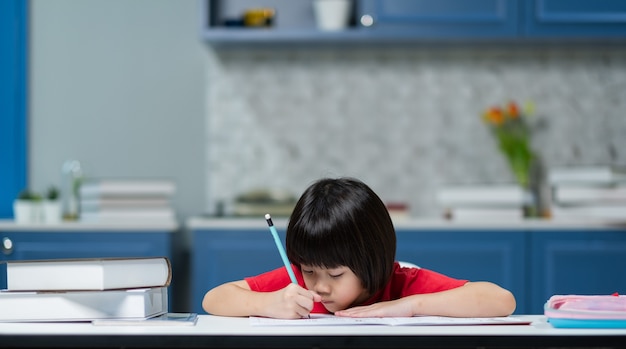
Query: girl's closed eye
(336,276)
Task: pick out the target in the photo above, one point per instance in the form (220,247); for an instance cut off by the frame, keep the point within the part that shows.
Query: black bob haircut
(342,222)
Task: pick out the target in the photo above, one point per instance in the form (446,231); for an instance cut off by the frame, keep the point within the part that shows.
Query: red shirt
(403,282)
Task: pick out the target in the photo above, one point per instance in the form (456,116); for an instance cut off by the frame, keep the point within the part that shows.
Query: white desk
(222,332)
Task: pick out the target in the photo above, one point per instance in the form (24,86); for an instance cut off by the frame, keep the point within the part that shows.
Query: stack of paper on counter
(85,289)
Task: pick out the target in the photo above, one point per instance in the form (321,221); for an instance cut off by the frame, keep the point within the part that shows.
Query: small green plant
(53,193)
(29,195)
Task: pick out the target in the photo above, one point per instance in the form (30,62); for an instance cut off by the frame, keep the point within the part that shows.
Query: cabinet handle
(7,246)
(367,20)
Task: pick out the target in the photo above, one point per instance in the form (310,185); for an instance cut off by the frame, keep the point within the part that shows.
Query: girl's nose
(321,287)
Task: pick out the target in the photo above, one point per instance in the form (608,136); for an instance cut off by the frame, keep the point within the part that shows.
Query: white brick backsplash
(405,121)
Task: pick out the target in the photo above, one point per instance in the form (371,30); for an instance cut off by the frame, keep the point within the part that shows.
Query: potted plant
(52,206)
(27,207)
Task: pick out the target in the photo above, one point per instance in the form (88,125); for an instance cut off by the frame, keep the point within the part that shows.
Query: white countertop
(209,325)
(122,226)
(216,325)
(419,223)
(228,332)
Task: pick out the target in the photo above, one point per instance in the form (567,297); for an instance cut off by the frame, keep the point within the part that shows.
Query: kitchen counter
(118,226)
(419,223)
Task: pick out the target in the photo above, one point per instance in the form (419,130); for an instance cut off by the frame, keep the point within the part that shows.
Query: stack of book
(85,289)
(482,202)
(110,200)
(588,192)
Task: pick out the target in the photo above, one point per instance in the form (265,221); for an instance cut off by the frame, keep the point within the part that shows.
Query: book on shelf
(590,211)
(142,303)
(110,188)
(102,204)
(484,214)
(165,214)
(87,274)
(481,195)
(586,174)
(581,194)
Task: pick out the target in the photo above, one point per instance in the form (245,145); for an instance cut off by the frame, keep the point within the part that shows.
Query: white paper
(331,320)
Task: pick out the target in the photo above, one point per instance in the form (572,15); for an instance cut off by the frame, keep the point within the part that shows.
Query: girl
(342,244)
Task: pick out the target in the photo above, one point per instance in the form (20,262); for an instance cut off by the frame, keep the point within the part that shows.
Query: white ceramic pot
(332,14)
(27,211)
(51,211)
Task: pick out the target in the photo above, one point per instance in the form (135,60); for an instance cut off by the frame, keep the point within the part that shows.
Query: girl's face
(339,287)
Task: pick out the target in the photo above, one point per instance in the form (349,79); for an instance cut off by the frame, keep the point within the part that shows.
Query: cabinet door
(591,262)
(495,256)
(443,18)
(223,255)
(575,18)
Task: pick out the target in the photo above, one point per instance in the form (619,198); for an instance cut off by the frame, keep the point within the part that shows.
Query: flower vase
(529,206)
(540,188)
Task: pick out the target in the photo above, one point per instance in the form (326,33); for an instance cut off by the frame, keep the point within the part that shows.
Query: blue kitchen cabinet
(373,21)
(424,21)
(575,19)
(532,261)
(585,262)
(427,19)
(477,255)
(221,255)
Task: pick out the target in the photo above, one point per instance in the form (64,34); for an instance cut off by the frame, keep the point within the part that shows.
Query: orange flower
(494,116)
(513,110)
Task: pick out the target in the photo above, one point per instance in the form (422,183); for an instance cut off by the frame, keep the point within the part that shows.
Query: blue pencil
(281,249)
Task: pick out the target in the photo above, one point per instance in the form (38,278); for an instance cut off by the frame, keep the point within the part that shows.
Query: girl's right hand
(291,302)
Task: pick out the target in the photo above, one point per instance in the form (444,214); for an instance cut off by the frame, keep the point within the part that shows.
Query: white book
(570,194)
(108,188)
(82,305)
(114,215)
(99,204)
(87,274)
(617,212)
(586,174)
(484,195)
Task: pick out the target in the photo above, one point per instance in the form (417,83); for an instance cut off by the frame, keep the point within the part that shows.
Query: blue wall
(13,81)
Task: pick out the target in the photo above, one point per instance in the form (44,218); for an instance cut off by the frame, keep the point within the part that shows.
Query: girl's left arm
(474,299)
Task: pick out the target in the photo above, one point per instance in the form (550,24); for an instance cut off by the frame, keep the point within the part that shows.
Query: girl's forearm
(232,300)
(475,299)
